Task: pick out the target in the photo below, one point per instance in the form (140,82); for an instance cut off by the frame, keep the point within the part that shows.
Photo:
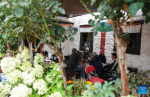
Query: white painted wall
(65,45)
(142,61)
(83,20)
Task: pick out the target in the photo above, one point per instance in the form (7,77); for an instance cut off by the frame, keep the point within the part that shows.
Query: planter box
(128,42)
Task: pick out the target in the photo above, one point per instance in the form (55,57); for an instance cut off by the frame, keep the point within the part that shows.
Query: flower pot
(128,42)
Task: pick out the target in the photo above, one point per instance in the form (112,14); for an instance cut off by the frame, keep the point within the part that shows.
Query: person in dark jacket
(74,62)
(96,63)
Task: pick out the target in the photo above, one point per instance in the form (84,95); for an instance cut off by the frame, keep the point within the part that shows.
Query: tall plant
(34,18)
(117,12)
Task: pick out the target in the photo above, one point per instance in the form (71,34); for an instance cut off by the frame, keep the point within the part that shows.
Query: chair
(89,70)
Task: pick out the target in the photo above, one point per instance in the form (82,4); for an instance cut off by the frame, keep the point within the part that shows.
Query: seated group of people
(80,62)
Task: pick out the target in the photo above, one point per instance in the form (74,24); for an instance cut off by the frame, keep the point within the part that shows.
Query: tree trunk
(31,54)
(8,46)
(22,44)
(121,57)
(61,64)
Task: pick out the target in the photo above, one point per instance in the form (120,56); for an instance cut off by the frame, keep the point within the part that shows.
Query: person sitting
(96,63)
(47,56)
(114,65)
(75,63)
(85,56)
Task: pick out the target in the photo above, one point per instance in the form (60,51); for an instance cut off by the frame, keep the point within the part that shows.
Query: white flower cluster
(14,76)
(40,85)
(21,91)
(25,65)
(4,90)
(57,68)
(49,79)
(56,94)
(38,58)
(18,56)
(25,54)
(28,78)
(38,71)
(9,64)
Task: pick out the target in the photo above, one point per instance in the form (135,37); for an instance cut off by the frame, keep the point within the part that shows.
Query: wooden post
(31,54)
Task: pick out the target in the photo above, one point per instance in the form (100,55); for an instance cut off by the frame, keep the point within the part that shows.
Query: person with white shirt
(47,56)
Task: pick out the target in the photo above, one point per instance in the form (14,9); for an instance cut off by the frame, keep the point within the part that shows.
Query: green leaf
(61,10)
(57,42)
(74,33)
(111,16)
(21,3)
(69,87)
(111,94)
(129,0)
(91,22)
(96,26)
(4,36)
(54,9)
(1,13)
(51,4)
(107,8)
(92,2)
(134,7)
(59,84)
(71,39)
(102,24)
(18,12)
(102,14)
(99,8)
(147,19)
(95,33)
(133,90)
(3,3)
(8,17)
(133,79)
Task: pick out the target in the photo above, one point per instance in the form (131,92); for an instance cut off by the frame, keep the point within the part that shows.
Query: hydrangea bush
(23,80)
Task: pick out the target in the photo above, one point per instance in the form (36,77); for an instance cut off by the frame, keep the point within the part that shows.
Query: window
(86,40)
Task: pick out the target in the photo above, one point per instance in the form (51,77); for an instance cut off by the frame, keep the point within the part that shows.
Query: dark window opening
(86,40)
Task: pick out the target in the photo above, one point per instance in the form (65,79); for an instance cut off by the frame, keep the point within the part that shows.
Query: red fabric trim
(41,46)
(102,45)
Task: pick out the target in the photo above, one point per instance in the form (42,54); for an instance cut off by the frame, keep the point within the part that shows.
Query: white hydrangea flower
(56,94)
(25,65)
(40,85)
(9,64)
(4,90)
(38,71)
(28,78)
(57,68)
(38,58)
(18,56)
(25,54)
(49,79)
(21,91)
(14,76)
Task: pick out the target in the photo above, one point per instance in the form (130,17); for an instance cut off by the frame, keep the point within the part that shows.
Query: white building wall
(83,20)
(142,61)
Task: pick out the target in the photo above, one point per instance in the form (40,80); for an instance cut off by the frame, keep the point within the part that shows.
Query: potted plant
(127,39)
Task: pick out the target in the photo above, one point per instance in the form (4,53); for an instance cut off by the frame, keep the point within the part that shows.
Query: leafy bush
(134,80)
(103,90)
(13,42)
